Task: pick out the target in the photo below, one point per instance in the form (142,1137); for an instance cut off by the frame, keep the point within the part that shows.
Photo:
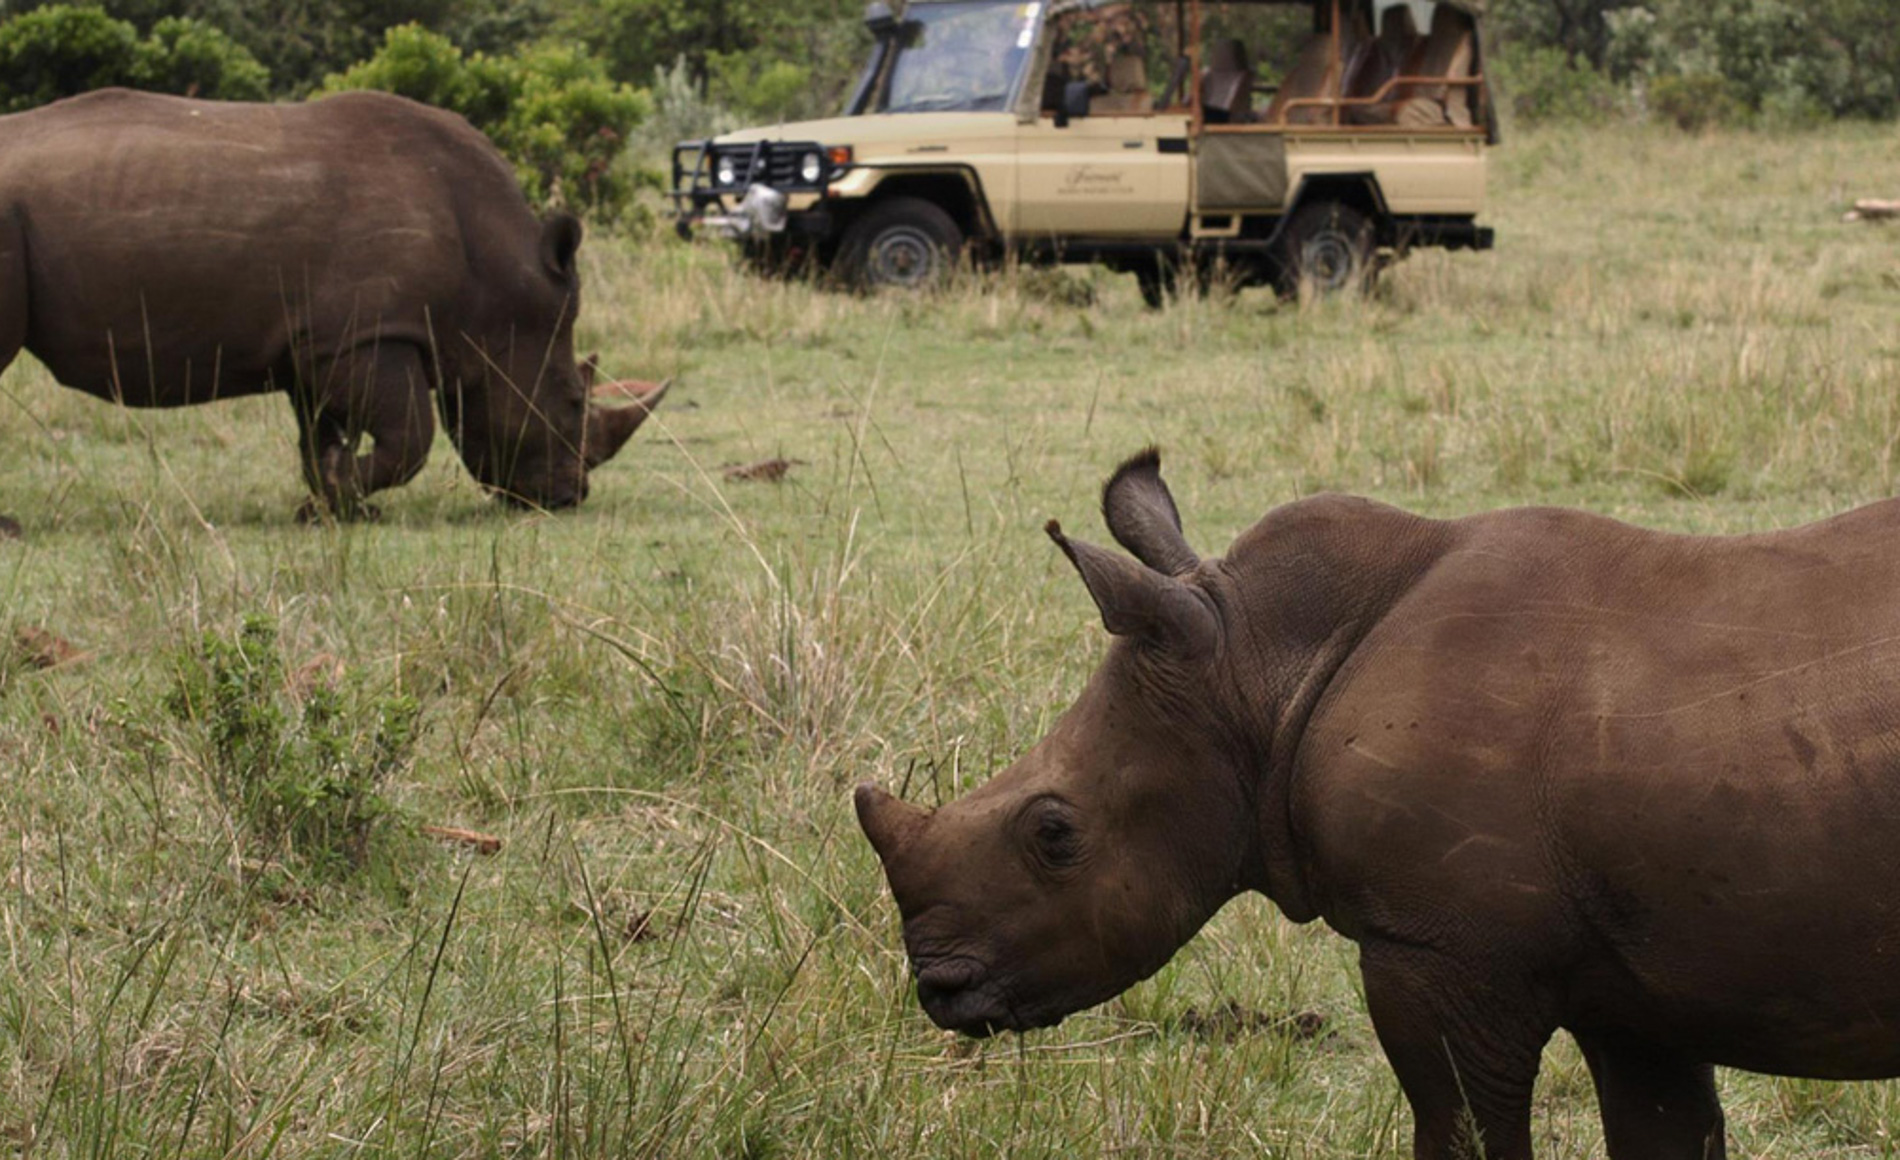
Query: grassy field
(660,702)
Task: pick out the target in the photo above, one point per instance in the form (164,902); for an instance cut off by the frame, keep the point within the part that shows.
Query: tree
(551,109)
(61,51)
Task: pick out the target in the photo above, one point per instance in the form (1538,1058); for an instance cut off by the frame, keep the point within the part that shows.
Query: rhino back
(171,236)
(1665,769)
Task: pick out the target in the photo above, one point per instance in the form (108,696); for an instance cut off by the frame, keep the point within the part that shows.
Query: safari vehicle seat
(1227,84)
(1448,52)
(1397,44)
(1127,88)
(1311,76)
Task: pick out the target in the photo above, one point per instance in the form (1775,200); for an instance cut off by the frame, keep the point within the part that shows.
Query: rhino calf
(1547,770)
(360,253)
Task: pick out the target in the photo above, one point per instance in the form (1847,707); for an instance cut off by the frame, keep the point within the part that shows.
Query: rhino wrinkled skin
(1547,770)
(359,253)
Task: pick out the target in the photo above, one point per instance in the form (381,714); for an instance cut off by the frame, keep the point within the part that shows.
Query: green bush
(62,51)
(300,772)
(191,58)
(566,125)
(761,87)
(1776,62)
(552,110)
(1547,84)
(426,66)
(1695,101)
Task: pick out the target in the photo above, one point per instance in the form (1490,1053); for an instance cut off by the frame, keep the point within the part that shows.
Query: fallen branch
(764,471)
(480,843)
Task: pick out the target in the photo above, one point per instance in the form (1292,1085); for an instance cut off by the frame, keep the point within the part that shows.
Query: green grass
(661,701)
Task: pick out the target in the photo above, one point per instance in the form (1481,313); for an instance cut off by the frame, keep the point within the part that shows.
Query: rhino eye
(1058,844)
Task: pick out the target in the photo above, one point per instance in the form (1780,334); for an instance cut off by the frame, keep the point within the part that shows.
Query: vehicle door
(1120,170)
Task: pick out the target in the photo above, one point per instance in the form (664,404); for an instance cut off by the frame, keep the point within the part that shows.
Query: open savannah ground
(223,933)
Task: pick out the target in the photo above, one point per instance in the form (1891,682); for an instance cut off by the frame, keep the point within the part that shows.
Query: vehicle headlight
(726,172)
(811,167)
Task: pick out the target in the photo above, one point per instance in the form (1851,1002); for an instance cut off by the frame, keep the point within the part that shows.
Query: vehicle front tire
(905,243)
(1326,250)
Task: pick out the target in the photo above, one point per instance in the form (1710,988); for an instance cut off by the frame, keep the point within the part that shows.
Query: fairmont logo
(1086,179)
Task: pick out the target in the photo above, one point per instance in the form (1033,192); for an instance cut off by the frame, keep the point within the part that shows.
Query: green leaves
(300,770)
(63,50)
(550,108)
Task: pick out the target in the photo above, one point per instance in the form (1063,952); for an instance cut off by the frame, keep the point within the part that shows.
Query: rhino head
(526,416)
(1081,869)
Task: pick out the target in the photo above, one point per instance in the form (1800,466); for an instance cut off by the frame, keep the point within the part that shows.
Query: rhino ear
(1142,517)
(560,241)
(1137,601)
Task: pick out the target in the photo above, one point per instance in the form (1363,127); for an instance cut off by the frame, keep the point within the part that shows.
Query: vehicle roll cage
(1188,22)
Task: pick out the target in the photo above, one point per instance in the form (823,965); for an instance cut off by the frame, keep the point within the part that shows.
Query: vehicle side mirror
(1075,102)
(878,18)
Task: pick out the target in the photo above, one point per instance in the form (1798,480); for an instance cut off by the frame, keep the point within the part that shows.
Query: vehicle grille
(775,163)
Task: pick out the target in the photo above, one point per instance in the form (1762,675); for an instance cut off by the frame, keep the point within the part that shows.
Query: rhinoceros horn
(609,428)
(889,822)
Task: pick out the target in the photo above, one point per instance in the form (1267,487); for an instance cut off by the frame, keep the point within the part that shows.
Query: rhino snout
(959,995)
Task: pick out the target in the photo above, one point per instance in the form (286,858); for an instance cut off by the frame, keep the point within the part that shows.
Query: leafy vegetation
(299,776)
(63,50)
(549,108)
(1710,61)
(661,701)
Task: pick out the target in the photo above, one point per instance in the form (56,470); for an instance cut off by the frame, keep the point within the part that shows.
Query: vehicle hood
(880,129)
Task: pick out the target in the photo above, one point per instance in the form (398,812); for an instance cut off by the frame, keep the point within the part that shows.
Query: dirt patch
(1230,1020)
(764,471)
(37,648)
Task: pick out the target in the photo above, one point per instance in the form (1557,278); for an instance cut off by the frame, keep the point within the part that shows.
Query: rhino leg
(12,313)
(1466,1050)
(381,392)
(12,289)
(1656,1104)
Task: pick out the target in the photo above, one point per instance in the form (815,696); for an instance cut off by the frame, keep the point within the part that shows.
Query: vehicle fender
(1359,190)
(958,189)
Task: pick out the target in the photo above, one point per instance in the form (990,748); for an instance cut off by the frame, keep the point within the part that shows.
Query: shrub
(680,112)
(1695,101)
(1547,84)
(300,772)
(61,51)
(191,58)
(1785,62)
(426,66)
(551,110)
(566,124)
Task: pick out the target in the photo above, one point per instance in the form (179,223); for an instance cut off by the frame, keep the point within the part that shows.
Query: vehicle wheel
(1326,248)
(1173,277)
(905,243)
(775,258)
(1155,284)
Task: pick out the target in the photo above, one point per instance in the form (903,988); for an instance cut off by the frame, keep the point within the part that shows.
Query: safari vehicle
(1135,133)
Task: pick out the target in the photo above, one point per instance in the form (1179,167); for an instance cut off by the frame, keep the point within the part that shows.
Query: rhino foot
(317,511)
(10,529)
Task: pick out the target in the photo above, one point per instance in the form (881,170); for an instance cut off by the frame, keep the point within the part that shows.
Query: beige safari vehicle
(1281,143)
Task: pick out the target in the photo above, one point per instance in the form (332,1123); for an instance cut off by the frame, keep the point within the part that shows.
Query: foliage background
(709,64)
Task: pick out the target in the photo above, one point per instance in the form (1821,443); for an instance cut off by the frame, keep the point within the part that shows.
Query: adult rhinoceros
(357,253)
(1546,769)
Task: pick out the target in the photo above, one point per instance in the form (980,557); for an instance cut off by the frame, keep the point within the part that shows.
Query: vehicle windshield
(959,57)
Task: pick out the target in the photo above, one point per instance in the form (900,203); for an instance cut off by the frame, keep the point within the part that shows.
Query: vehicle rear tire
(1326,250)
(905,243)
